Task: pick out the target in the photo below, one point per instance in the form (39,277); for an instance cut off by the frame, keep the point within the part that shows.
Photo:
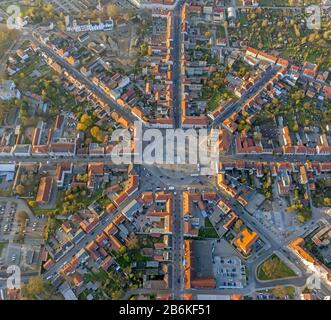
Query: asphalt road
(176,53)
(178,244)
(230,157)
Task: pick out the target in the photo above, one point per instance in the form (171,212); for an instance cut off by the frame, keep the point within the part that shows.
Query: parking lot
(26,256)
(229,272)
(13,255)
(71,6)
(74,7)
(21,235)
(14,227)
(8,226)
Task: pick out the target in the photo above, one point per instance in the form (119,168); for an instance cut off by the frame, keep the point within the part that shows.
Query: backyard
(208,231)
(283,30)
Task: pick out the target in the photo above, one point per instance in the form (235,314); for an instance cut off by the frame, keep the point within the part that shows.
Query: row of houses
(156,109)
(312,264)
(322,147)
(274,167)
(194,69)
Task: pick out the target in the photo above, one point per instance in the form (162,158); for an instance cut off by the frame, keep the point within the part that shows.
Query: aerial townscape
(100,200)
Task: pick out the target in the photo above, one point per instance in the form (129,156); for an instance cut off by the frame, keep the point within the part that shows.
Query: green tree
(36,288)
(81,126)
(32,203)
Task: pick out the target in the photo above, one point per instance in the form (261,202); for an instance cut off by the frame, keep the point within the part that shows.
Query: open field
(274,268)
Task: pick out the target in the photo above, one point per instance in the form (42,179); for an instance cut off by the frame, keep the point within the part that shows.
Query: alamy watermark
(14,21)
(313,20)
(313,282)
(14,279)
(150,146)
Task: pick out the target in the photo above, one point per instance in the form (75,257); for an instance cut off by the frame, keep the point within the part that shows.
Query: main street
(177,250)
(177,217)
(265,158)
(176,53)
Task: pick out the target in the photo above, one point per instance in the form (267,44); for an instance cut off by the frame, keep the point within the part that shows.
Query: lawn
(136,256)
(214,101)
(217,97)
(208,231)
(220,32)
(124,261)
(322,195)
(95,196)
(83,295)
(243,19)
(274,2)
(103,201)
(100,276)
(274,268)
(282,3)
(2,246)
